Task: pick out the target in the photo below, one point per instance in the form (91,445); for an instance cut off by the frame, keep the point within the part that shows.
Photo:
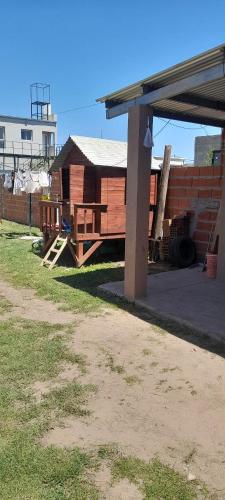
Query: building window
(26,135)
(2,137)
(216,157)
(48,141)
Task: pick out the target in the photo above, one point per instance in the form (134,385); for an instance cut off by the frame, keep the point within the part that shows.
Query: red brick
(192,193)
(180,181)
(216,193)
(208,215)
(204,226)
(205,193)
(218,171)
(206,171)
(177,192)
(201,236)
(193,171)
(177,172)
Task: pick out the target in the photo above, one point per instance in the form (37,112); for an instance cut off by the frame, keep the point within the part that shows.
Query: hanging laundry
(18,183)
(8,182)
(44,179)
(32,184)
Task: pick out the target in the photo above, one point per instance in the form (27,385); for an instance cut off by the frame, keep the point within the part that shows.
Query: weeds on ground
(132,379)
(111,363)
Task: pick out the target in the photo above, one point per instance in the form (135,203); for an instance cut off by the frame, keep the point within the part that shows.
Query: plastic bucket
(211,262)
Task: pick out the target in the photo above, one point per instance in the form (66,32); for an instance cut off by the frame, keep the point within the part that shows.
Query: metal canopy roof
(192,91)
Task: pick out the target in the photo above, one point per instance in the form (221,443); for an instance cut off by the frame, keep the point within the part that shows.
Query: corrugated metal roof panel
(174,73)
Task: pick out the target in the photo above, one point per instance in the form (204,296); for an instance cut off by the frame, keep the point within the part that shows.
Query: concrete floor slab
(185,295)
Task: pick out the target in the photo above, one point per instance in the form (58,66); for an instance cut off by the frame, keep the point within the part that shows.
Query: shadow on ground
(15,235)
(89,282)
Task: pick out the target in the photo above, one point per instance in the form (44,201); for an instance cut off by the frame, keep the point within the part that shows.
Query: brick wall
(16,208)
(196,190)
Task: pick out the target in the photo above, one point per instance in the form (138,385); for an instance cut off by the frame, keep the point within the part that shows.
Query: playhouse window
(66,183)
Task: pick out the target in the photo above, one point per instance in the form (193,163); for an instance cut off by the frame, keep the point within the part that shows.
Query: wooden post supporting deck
(137,210)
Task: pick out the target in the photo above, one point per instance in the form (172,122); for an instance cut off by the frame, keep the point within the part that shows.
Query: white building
(22,139)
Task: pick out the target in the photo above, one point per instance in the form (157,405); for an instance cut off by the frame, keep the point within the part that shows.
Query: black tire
(182,252)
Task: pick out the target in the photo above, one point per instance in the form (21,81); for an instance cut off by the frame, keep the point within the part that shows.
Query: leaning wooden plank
(163,192)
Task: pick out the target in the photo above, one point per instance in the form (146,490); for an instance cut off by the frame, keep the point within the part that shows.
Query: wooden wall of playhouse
(105,185)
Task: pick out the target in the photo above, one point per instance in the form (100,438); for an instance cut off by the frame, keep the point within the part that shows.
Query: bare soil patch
(26,305)
(175,410)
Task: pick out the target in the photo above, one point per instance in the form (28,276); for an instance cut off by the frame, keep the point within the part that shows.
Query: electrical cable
(181,126)
(161,129)
(77,108)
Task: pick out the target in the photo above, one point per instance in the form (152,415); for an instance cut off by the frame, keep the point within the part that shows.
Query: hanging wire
(181,126)
(77,108)
(161,129)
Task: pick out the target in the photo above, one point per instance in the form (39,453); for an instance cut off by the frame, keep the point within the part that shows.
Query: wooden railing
(51,216)
(87,220)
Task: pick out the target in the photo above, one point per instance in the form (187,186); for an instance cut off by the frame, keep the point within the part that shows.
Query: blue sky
(85,49)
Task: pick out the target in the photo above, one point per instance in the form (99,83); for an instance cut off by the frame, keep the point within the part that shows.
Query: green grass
(5,305)
(75,289)
(70,399)
(30,352)
(30,471)
(154,480)
(132,379)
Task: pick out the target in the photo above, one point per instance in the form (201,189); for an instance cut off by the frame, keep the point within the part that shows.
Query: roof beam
(188,117)
(171,90)
(199,101)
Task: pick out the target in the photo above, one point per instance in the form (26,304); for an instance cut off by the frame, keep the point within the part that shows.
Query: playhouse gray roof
(102,152)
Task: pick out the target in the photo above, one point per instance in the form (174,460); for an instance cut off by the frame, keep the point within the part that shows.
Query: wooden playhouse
(88,195)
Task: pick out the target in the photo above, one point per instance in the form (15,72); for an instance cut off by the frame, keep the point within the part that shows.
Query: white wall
(13,142)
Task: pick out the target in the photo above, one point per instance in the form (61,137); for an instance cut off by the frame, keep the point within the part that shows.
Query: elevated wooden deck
(85,225)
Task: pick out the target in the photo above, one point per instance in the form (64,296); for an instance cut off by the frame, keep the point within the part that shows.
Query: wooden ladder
(57,251)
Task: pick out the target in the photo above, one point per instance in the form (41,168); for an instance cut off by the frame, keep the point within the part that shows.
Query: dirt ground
(157,394)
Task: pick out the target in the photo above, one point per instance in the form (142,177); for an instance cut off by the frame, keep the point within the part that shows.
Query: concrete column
(137,210)
(221,217)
